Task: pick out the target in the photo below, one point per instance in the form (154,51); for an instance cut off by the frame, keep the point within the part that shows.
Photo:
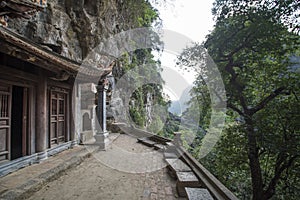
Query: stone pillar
(102,134)
(41,117)
(73,104)
(177,139)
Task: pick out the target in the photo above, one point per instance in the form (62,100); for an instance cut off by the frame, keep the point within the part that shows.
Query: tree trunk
(255,169)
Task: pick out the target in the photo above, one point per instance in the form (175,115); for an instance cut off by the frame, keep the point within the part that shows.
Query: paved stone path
(124,172)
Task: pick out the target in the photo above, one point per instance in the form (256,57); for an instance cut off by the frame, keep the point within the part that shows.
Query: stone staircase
(188,185)
(147,141)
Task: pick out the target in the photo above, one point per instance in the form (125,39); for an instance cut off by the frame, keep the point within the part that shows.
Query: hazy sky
(193,19)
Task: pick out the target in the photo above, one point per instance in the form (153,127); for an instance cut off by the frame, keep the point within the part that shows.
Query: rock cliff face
(73,28)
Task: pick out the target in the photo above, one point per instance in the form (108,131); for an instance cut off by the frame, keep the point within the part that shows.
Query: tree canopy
(255,45)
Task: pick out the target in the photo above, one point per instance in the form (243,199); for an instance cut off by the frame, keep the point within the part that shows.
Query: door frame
(28,99)
(21,115)
(65,92)
(25,124)
(7,126)
(27,80)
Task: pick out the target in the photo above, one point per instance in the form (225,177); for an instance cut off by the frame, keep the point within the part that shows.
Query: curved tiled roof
(29,51)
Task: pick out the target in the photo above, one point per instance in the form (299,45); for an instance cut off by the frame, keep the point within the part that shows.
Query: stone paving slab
(159,147)
(186,179)
(147,142)
(67,176)
(105,176)
(198,194)
(22,183)
(178,165)
(168,155)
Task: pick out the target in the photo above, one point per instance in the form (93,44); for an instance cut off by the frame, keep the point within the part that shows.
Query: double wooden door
(58,117)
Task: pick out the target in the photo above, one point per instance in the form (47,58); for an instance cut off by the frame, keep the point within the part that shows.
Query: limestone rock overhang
(20,8)
(26,50)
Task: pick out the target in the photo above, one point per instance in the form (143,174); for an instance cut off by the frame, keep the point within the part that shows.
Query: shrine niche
(86,122)
(88,112)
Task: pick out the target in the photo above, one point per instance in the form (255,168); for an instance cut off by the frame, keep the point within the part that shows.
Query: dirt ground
(94,180)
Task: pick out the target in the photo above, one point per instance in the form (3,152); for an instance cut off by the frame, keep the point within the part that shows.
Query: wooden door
(19,126)
(57,117)
(5,114)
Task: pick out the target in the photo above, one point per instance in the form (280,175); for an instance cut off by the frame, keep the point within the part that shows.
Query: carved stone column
(102,134)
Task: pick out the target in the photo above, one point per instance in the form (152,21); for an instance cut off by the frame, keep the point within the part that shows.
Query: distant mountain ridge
(179,106)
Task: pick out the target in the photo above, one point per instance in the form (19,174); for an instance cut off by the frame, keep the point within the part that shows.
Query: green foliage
(171,125)
(129,63)
(138,110)
(279,139)
(281,12)
(138,116)
(201,102)
(252,44)
(156,126)
(148,16)
(229,163)
(138,13)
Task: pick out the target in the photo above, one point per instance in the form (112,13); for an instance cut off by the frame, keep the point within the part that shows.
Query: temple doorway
(19,116)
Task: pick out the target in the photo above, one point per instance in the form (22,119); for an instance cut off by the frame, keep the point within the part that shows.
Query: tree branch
(233,107)
(278,171)
(266,100)
(236,84)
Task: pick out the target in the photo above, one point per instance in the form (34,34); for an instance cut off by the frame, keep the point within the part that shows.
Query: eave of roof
(19,8)
(27,3)
(15,45)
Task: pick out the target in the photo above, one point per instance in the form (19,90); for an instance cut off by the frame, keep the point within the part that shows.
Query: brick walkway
(127,170)
(107,175)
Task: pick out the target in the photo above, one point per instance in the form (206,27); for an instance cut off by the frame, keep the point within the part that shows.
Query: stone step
(146,142)
(170,146)
(198,194)
(86,137)
(159,147)
(186,179)
(168,155)
(141,139)
(177,165)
